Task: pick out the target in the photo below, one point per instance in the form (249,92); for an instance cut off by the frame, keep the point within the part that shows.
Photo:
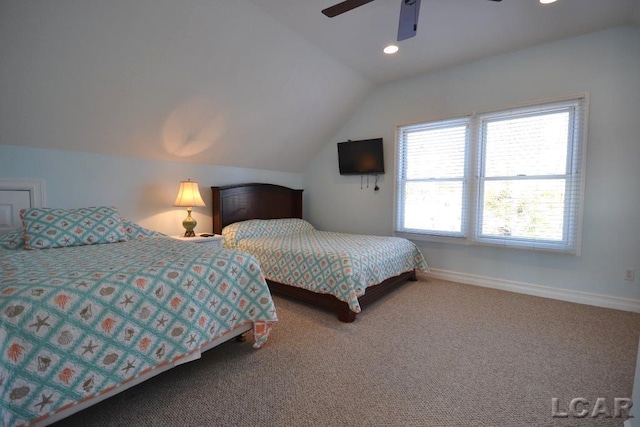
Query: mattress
(79,321)
(292,252)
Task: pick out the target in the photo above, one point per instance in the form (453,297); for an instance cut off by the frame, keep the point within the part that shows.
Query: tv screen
(361,157)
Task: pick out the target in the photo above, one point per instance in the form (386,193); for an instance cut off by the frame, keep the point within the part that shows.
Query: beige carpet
(432,353)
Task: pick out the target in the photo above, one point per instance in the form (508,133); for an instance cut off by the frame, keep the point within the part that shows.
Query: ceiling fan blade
(408,25)
(343,7)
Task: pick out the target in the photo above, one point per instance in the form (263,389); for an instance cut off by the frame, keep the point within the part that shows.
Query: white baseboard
(626,304)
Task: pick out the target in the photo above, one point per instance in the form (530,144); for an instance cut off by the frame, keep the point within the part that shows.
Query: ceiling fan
(409,10)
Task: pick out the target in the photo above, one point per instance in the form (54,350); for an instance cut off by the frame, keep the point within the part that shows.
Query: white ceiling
(450,32)
(248,83)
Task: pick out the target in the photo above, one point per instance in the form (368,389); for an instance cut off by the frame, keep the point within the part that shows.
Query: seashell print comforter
(339,264)
(77,321)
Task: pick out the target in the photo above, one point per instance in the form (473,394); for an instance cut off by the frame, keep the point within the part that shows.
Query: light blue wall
(143,190)
(606,65)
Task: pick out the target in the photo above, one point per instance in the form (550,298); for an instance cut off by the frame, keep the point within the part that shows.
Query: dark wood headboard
(233,203)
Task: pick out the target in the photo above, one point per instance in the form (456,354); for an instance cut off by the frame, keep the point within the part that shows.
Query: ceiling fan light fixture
(547,1)
(409,11)
(390,49)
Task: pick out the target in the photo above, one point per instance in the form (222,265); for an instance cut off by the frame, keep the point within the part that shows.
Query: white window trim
(472,188)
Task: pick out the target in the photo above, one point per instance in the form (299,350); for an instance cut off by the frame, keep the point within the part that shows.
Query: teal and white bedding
(292,252)
(78,321)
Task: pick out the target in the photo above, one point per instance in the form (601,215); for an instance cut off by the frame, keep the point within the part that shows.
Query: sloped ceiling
(217,82)
(248,83)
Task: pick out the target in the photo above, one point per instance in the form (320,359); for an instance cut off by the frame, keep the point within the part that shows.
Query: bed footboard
(341,308)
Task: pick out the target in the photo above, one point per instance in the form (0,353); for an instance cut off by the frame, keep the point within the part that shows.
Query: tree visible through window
(510,177)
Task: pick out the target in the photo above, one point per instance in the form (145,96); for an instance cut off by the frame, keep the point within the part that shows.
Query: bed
(81,323)
(342,272)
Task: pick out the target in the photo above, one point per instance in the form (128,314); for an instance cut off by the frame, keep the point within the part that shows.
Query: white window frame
(432,126)
(474,177)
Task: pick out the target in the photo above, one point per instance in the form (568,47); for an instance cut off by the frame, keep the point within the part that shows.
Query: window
(512,177)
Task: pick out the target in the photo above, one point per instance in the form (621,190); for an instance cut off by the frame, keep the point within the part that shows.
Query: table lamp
(189,196)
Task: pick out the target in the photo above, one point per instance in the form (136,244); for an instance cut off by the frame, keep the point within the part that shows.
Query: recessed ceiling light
(547,1)
(391,49)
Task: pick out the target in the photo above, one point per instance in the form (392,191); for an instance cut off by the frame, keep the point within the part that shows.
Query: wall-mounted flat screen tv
(362,157)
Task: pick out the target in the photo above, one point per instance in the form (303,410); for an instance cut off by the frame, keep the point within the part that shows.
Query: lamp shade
(189,195)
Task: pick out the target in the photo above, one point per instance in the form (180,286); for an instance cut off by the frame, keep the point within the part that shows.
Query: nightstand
(214,241)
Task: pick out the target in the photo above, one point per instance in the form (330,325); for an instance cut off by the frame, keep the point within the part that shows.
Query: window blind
(512,177)
(433,191)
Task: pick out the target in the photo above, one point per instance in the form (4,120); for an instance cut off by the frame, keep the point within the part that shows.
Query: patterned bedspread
(343,265)
(77,321)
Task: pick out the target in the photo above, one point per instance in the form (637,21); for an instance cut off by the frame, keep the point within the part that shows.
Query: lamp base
(189,224)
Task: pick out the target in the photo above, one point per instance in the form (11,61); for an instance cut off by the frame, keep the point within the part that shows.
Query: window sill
(488,243)
(433,238)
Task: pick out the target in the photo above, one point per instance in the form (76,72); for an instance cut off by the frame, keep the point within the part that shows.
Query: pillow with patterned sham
(54,228)
(12,240)
(136,231)
(237,231)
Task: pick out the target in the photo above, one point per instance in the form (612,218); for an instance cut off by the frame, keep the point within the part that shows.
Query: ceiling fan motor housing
(409,12)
